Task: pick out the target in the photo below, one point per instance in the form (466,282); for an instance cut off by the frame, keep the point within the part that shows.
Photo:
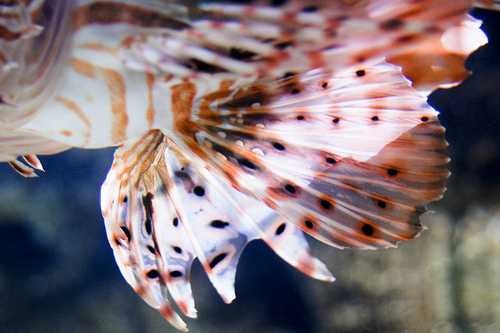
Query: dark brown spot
(175,274)
(199,191)
(281,228)
(284,45)
(125,199)
(217,259)
(381,203)
(295,91)
(424,119)
(247,164)
(300,117)
(367,229)
(336,120)
(290,189)
(151,249)
(288,75)
(223,150)
(219,224)
(391,24)
(375,118)
(392,172)
(205,67)
(153,274)
(360,73)
(175,221)
(177,249)
(324,85)
(330,160)
(309,224)
(240,54)
(278,146)
(325,204)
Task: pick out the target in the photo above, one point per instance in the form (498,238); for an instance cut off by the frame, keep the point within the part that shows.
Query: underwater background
(57,272)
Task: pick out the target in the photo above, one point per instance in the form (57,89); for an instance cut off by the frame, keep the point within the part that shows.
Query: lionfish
(236,121)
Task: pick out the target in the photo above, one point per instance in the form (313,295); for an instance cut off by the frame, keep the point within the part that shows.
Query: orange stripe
(150,112)
(223,92)
(73,107)
(98,47)
(83,68)
(182,103)
(116,86)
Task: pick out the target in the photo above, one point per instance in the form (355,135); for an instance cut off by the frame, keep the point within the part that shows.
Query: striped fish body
(235,122)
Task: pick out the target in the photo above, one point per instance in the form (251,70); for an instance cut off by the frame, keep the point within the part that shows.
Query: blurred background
(57,273)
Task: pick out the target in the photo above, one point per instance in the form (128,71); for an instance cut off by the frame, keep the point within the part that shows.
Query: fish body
(235,122)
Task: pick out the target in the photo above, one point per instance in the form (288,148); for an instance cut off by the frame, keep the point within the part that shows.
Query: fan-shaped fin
(349,158)
(164,206)
(128,213)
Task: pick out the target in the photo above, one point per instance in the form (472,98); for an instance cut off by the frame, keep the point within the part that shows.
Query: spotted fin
(252,39)
(164,207)
(351,159)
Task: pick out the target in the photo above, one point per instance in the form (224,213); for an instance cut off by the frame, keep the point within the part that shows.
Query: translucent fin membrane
(349,158)
(163,208)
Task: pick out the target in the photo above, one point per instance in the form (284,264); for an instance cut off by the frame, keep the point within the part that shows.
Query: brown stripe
(223,92)
(83,68)
(111,13)
(150,112)
(98,47)
(75,108)
(182,103)
(117,93)
(9,35)
(182,100)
